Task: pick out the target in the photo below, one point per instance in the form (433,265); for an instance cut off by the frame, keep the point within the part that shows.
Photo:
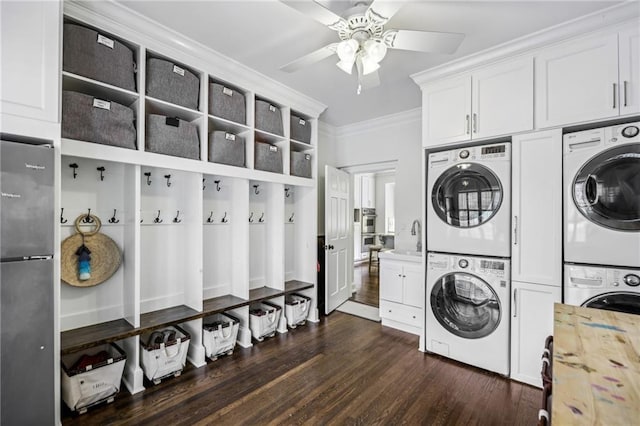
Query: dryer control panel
(623,133)
(603,278)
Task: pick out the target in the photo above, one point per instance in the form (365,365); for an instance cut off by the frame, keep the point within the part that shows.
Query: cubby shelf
(111,331)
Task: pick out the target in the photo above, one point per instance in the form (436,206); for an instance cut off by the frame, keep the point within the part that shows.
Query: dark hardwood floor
(342,370)
(367,284)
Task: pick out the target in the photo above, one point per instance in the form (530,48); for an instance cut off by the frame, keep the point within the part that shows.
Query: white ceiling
(266,34)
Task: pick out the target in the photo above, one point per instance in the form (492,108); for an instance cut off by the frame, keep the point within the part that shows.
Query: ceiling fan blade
(370,80)
(316,11)
(311,58)
(423,41)
(382,11)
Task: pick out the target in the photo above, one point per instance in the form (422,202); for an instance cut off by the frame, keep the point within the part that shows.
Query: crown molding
(376,124)
(624,13)
(136,28)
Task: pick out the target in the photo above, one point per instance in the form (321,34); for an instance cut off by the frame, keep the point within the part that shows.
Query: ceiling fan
(364,40)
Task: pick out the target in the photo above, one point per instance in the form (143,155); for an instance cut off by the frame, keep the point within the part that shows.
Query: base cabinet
(531,323)
(401,294)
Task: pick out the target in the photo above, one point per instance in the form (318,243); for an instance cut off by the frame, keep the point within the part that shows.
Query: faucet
(416,229)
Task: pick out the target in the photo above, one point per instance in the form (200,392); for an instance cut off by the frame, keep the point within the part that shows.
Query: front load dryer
(469,200)
(602,196)
(467,310)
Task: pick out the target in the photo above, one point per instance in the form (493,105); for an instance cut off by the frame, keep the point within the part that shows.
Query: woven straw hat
(105,255)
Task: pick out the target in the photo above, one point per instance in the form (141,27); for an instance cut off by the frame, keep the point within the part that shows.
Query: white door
(446,109)
(630,71)
(337,226)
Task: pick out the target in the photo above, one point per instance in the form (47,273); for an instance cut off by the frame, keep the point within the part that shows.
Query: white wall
(393,137)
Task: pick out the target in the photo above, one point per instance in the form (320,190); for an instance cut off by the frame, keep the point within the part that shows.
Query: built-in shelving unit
(197,237)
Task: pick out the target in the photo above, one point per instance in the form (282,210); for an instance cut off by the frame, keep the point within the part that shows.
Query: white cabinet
(536,240)
(30,52)
(368,191)
(629,45)
(578,80)
(531,323)
(401,294)
(494,100)
(357,191)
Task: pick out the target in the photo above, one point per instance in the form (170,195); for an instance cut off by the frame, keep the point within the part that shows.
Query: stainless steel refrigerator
(26,284)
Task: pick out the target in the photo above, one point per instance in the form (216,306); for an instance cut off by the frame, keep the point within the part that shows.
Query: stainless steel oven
(367,241)
(368,221)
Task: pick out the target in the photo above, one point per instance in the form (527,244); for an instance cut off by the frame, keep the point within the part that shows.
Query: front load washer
(469,200)
(597,287)
(468,305)
(602,196)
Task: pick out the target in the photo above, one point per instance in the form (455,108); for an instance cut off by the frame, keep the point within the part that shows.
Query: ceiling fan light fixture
(368,65)
(375,50)
(346,66)
(347,50)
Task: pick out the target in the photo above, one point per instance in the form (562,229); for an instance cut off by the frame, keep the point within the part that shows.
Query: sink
(410,255)
(405,252)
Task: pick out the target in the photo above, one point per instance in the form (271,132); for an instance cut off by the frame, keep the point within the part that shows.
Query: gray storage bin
(268,117)
(300,164)
(300,129)
(172,83)
(93,55)
(227,103)
(91,119)
(226,148)
(172,136)
(268,157)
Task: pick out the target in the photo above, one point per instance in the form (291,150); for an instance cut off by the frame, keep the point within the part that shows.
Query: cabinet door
(630,71)
(413,286)
(371,196)
(30,59)
(531,323)
(391,281)
(357,242)
(446,109)
(357,191)
(502,99)
(536,239)
(577,81)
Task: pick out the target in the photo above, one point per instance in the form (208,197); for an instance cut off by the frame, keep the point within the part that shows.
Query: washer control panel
(624,133)
(602,278)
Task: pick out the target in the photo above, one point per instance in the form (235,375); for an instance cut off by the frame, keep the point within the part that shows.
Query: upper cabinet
(31,59)
(492,101)
(578,80)
(368,191)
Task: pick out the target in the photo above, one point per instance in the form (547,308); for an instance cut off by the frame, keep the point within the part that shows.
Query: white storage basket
(160,360)
(219,335)
(263,320)
(296,309)
(86,382)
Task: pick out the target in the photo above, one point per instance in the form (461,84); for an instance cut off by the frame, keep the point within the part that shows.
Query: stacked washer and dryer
(602,218)
(469,245)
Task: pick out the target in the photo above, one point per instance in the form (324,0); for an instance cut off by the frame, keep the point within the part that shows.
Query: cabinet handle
(475,123)
(614,95)
(467,125)
(515,230)
(515,302)
(624,90)
(400,275)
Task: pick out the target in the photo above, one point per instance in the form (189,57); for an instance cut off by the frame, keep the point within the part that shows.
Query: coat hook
(168,178)
(224,218)
(251,217)
(218,188)
(88,218)
(286,192)
(113,218)
(210,219)
(62,219)
(157,219)
(291,218)
(148,175)
(74,166)
(261,218)
(255,189)
(203,187)
(175,219)
(101,169)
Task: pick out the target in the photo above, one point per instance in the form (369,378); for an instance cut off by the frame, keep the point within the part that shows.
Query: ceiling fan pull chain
(359,89)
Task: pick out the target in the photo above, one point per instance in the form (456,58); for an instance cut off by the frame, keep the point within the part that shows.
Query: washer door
(619,302)
(465,305)
(466,195)
(606,190)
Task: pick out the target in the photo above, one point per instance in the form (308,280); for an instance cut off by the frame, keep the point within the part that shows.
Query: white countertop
(406,255)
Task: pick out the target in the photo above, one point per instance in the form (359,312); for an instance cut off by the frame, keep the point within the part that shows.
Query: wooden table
(596,367)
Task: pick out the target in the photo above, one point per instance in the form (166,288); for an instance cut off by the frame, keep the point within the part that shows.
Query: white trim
(375,124)
(620,13)
(383,166)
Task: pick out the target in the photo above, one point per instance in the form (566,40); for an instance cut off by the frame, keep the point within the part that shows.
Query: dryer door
(465,305)
(618,301)
(606,190)
(466,195)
